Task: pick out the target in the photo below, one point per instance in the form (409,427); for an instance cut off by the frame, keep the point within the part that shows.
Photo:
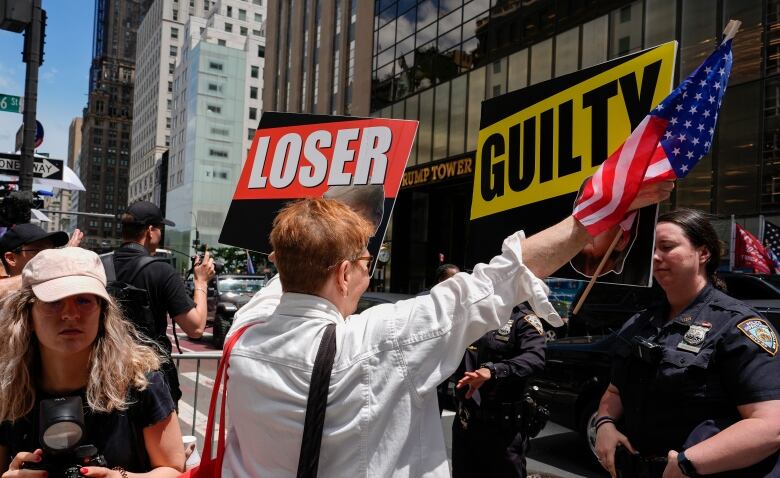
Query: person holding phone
(142,226)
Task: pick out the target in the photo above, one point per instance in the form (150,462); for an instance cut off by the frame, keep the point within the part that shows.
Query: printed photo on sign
(537,146)
(359,161)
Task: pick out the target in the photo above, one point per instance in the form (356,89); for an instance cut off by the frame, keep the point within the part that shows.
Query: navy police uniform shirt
(715,355)
(516,351)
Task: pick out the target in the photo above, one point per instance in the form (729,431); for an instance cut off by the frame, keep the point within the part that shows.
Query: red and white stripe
(660,168)
(607,196)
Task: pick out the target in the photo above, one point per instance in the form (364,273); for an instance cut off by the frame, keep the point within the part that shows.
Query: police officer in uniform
(695,381)
(489,433)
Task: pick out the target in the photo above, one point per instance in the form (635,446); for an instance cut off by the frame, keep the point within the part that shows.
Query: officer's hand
(672,470)
(652,193)
(15,467)
(204,269)
(474,380)
(607,439)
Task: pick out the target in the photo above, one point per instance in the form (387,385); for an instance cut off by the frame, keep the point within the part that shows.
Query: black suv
(577,366)
(227,294)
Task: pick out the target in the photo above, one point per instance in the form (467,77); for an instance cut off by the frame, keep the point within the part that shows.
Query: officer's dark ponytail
(698,229)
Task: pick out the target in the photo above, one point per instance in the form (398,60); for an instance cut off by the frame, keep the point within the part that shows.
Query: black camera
(61,432)
(646,351)
(15,206)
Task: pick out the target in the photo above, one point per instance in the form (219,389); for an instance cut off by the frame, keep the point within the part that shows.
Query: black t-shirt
(167,296)
(118,436)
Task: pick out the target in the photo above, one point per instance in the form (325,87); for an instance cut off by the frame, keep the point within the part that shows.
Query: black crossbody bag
(309,459)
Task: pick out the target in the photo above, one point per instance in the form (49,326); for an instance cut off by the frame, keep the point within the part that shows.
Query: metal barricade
(187,364)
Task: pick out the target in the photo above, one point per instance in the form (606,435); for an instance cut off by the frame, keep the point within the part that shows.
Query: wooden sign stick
(598,271)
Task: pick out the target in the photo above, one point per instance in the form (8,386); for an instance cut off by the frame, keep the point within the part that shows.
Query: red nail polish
(84,471)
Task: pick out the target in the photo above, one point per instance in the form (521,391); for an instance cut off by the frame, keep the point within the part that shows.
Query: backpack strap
(108,265)
(139,264)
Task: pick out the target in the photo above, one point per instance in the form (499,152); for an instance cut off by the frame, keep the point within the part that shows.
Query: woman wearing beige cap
(78,392)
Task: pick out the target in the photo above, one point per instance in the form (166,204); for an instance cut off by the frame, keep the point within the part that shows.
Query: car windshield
(240,285)
(773,279)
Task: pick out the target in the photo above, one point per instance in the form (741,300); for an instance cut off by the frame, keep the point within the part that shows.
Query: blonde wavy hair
(119,361)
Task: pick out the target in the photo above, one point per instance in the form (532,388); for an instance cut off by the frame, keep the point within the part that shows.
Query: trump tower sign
(358,160)
(537,145)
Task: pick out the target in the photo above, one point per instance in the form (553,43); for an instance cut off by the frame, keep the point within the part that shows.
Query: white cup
(194,458)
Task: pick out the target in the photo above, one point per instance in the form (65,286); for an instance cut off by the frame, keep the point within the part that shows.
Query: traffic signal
(27,53)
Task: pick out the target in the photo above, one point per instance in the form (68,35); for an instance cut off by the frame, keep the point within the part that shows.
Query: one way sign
(42,168)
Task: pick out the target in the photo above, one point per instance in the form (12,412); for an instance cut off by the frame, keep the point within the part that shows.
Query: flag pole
(761,228)
(598,271)
(732,27)
(733,242)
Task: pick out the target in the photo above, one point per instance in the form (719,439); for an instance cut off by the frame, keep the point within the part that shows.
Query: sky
(62,79)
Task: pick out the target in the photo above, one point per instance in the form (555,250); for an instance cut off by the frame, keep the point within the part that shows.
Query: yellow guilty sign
(548,148)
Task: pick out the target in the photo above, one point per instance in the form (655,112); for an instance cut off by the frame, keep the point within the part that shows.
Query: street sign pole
(32,57)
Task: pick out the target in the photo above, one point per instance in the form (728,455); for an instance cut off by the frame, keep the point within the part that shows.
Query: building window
(250,133)
(258,2)
(242,15)
(174,50)
(243,31)
(175,15)
(214,87)
(258,18)
(214,108)
(257,33)
(228,27)
(230,11)
(215,66)
(255,72)
(218,153)
(171,67)
(221,42)
(625,14)
(253,92)
(174,32)
(261,51)
(252,113)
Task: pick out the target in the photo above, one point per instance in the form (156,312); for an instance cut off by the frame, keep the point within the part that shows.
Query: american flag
(772,243)
(250,267)
(667,144)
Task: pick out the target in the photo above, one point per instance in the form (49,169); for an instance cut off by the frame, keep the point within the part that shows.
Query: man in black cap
(142,226)
(21,243)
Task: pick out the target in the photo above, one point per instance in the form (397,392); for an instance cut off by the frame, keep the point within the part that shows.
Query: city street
(556,452)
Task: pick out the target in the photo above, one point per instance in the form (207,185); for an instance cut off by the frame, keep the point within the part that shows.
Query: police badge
(503,332)
(693,338)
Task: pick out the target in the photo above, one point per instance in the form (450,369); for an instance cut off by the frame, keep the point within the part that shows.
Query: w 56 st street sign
(11,104)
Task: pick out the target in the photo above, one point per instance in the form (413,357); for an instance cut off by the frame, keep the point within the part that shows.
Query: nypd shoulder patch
(761,333)
(535,322)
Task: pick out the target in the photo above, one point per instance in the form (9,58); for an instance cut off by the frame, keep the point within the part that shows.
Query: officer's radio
(646,351)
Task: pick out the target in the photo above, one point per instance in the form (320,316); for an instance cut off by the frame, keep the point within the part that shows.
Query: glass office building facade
(436,60)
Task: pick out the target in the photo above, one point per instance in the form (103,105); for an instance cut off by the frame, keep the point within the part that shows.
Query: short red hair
(311,235)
